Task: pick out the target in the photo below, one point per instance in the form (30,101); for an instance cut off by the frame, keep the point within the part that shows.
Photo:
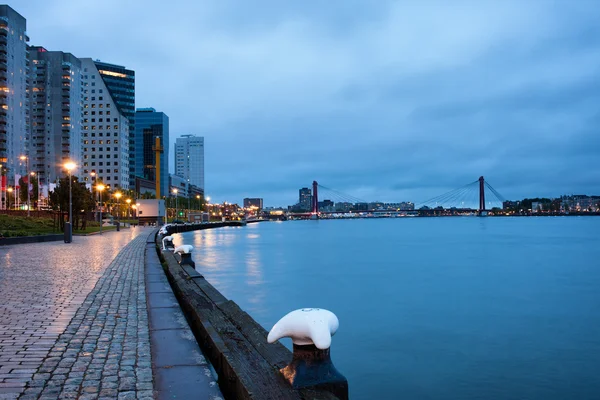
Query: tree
(82,198)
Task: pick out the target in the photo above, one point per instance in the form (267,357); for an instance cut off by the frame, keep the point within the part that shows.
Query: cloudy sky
(384,100)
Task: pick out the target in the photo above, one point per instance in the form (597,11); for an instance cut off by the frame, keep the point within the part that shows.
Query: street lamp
(9,190)
(175,191)
(69,166)
(26,159)
(93,175)
(118,196)
(99,188)
(32,174)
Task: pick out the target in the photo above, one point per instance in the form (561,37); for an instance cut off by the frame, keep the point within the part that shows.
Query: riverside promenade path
(74,319)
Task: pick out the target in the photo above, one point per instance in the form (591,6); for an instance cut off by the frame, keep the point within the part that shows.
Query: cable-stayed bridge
(477,197)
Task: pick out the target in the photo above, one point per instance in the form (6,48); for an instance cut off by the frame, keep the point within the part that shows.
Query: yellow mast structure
(157,148)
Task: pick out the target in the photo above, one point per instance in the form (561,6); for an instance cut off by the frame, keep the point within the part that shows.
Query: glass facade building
(150,124)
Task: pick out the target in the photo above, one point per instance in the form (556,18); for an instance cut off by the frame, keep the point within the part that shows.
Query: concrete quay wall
(248,367)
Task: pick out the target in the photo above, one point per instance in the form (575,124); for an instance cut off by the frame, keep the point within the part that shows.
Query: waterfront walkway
(74,319)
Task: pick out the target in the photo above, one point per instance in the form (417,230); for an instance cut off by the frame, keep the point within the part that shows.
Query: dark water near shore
(430,308)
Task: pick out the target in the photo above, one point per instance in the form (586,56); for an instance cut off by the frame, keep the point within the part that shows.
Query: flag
(3,182)
(17,177)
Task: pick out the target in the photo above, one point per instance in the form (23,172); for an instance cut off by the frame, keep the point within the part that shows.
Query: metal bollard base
(312,368)
(68,232)
(186,259)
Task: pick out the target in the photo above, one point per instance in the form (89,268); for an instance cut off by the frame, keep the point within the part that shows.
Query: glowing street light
(69,166)
(175,192)
(118,197)
(9,190)
(99,188)
(26,159)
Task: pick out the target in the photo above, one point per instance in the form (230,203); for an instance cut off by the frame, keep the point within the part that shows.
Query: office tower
(120,83)
(55,102)
(105,130)
(14,112)
(305,198)
(189,159)
(253,202)
(150,124)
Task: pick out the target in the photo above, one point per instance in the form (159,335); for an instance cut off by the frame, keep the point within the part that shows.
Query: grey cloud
(383,100)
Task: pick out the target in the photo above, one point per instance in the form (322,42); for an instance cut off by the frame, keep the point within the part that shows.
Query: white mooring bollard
(185,251)
(168,243)
(311,330)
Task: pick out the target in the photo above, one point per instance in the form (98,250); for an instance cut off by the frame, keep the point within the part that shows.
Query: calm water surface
(430,308)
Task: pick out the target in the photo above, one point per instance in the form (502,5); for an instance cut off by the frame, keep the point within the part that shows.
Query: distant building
(14,113)
(177,183)
(184,189)
(344,206)
(189,159)
(105,129)
(305,199)
(253,202)
(144,187)
(326,206)
(536,206)
(150,124)
(510,205)
(56,113)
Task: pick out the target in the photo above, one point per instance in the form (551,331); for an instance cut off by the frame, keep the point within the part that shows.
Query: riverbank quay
(248,367)
(179,367)
(73,320)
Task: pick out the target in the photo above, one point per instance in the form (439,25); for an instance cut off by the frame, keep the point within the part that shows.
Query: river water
(430,308)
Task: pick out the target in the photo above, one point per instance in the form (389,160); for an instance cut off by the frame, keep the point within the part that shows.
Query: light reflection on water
(430,308)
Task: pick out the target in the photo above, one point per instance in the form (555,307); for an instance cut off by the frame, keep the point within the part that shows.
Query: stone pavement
(73,319)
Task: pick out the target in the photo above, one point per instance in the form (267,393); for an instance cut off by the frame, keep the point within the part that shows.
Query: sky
(382,100)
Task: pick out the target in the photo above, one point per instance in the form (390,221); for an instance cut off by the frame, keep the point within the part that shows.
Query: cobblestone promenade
(73,319)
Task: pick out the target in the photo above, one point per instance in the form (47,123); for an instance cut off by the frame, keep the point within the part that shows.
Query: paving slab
(180,369)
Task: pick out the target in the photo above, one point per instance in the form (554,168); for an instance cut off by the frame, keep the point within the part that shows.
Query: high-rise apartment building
(305,198)
(120,83)
(150,124)
(55,101)
(105,128)
(14,107)
(189,159)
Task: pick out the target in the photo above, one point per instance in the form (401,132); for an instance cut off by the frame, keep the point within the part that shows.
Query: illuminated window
(111,73)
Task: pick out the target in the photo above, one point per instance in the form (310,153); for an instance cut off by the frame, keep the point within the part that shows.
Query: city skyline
(390,102)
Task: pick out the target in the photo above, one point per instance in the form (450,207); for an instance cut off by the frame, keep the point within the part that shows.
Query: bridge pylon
(315,201)
(481,211)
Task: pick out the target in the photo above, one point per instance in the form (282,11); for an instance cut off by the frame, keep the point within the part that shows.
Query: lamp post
(26,159)
(99,188)
(31,175)
(9,190)
(118,196)
(93,175)
(175,192)
(69,166)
